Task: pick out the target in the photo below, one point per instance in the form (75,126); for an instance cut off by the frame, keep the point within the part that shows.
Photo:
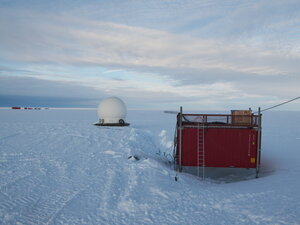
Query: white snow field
(57,168)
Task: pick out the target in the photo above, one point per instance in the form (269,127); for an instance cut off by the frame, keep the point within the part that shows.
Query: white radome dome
(112,110)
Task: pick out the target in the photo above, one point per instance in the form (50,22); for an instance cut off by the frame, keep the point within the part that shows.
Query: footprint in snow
(110,152)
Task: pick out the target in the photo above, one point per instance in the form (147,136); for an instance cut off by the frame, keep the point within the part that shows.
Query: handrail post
(180,139)
(258,143)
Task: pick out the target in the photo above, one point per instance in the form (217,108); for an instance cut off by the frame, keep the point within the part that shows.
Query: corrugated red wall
(224,147)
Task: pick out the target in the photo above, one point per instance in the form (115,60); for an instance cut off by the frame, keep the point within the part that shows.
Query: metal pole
(203,153)
(198,149)
(180,139)
(175,144)
(258,143)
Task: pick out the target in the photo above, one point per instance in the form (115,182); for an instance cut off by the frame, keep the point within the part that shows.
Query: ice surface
(57,168)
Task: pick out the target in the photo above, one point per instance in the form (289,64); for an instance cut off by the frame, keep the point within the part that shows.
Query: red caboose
(218,140)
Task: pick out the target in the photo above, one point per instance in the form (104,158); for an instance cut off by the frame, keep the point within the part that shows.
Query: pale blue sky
(153,54)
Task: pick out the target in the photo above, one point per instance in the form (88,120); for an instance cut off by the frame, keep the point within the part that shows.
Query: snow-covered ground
(57,168)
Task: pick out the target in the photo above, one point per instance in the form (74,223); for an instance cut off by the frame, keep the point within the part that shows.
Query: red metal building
(218,140)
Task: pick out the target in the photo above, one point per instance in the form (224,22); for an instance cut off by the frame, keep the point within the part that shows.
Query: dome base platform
(112,124)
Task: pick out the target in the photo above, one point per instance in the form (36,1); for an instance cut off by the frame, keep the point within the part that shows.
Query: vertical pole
(175,148)
(198,148)
(258,143)
(203,149)
(180,139)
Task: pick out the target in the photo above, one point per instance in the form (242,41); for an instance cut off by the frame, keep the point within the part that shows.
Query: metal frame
(258,143)
(180,139)
(216,121)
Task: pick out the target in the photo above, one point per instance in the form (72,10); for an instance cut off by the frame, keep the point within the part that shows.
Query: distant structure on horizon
(28,108)
(112,112)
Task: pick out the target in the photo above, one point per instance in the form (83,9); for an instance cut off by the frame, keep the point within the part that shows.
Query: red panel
(224,147)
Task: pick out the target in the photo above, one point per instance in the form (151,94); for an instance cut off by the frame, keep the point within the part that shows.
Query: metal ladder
(200,148)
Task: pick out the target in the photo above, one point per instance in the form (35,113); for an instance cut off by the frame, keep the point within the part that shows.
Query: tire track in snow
(19,203)
(114,175)
(118,173)
(14,180)
(23,183)
(21,194)
(59,209)
(14,167)
(130,172)
(20,198)
(107,191)
(46,211)
(9,136)
(16,157)
(31,203)
(126,204)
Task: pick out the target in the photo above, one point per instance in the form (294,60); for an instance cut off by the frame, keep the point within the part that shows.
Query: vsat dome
(112,112)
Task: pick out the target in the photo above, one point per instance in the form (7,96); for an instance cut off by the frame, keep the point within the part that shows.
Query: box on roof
(241,116)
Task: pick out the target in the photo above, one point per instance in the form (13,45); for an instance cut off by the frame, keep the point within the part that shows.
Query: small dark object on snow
(135,157)
(176,178)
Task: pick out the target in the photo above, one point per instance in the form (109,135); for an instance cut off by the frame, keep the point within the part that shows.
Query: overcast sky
(160,54)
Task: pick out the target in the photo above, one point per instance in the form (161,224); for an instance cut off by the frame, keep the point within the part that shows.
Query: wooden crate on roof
(241,117)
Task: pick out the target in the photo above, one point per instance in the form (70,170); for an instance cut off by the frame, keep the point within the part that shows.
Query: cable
(280,104)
